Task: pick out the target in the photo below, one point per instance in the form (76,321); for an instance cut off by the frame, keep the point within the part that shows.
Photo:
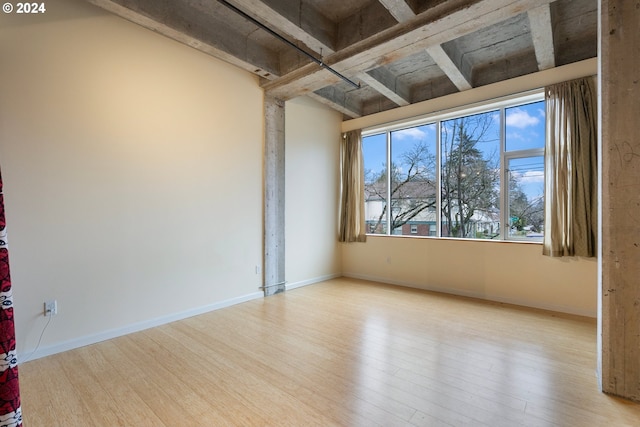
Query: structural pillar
(619,317)
(274,280)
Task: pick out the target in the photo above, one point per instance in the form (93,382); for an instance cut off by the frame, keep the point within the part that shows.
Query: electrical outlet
(258,269)
(50,308)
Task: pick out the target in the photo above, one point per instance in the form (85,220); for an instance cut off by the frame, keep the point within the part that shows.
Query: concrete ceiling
(399,52)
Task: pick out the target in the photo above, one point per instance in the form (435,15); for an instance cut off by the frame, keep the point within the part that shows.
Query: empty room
(320,213)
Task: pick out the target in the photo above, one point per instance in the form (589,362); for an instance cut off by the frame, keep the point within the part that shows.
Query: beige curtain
(352,226)
(571,170)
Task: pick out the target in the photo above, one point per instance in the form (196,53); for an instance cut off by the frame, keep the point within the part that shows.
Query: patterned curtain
(10,412)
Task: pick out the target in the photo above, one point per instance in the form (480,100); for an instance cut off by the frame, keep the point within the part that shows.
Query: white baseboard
(136,327)
(301,283)
(478,295)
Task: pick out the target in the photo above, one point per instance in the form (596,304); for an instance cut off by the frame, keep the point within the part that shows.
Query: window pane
(403,166)
(525,126)
(374,151)
(413,179)
(526,198)
(470,176)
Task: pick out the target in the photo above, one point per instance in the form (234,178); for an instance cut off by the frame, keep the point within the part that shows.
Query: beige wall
(312,186)
(133,181)
(508,272)
(133,175)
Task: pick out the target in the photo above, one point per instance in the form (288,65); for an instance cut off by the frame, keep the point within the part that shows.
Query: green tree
(470,179)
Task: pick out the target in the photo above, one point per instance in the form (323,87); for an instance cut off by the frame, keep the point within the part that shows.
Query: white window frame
(511,155)
(499,104)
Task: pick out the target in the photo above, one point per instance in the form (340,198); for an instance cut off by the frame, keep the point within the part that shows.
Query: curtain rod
(288,42)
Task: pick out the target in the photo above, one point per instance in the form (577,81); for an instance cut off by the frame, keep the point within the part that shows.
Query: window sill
(525,242)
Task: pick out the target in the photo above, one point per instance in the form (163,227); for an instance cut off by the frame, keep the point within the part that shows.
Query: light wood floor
(343,352)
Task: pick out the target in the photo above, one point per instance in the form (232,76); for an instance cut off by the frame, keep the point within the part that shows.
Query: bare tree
(412,186)
(470,178)
(524,210)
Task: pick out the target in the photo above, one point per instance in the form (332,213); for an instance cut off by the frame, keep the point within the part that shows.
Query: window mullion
(438,179)
(473,191)
(388,219)
(504,178)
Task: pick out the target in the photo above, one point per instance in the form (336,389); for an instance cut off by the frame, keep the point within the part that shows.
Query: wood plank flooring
(338,353)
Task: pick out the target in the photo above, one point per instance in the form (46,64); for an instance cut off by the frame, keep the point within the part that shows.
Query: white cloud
(530,135)
(410,133)
(529,177)
(515,136)
(521,119)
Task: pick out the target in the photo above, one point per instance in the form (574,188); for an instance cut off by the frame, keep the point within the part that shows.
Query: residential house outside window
(475,173)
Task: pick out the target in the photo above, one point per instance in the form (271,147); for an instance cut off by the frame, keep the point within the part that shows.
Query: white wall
(132,168)
(509,272)
(312,182)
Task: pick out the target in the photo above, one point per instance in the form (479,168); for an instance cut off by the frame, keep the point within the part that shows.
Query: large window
(475,174)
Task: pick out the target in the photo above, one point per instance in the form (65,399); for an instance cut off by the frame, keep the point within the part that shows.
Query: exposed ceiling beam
(542,34)
(403,12)
(381,80)
(338,100)
(195,29)
(371,19)
(440,24)
(399,9)
(300,22)
(272,13)
(294,45)
(447,65)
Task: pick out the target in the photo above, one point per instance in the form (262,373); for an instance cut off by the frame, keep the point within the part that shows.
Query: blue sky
(525,126)
(524,129)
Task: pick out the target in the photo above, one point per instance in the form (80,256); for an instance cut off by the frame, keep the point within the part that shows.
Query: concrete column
(274,281)
(620,259)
